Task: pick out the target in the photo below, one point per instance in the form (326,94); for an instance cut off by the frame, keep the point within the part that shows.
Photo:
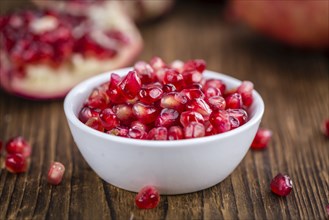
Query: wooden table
(293,83)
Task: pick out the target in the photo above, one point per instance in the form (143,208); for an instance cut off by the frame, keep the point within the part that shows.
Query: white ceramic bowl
(173,167)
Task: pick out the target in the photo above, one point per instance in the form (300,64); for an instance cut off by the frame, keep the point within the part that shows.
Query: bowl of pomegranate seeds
(178,127)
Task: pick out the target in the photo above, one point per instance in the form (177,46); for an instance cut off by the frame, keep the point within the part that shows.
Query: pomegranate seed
(145,72)
(189,116)
(325,128)
(217,102)
(245,89)
(131,85)
(16,163)
(108,119)
(124,112)
(150,95)
(209,129)
(175,133)
(147,198)
(55,173)
(140,125)
(261,140)
(95,123)
(119,131)
(114,93)
(281,185)
(238,117)
(191,76)
(86,113)
(234,101)
(137,133)
(194,130)
(215,83)
(97,99)
(174,100)
(197,64)
(211,91)
(220,121)
(199,105)
(171,76)
(18,145)
(145,113)
(159,133)
(177,65)
(167,118)
(193,93)
(169,88)
(157,63)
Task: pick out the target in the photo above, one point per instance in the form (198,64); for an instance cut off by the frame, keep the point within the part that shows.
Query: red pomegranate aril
(97,99)
(240,114)
(167,118)
(245,89)
(137,133)
(196,85)
(150,94)
(261,140)
(217,102)
(192,93)
(86,113)
(139,125)
(174,100)
(197,64)
(169,88)
(108,119)
(145,72)
(130,84)
(175,133)
(209,129)
(124,112)
(199,105)
(191,76)
(147,198)
(157,63)
(95,123)
(145,113)
(16,163)
(194,130)
(212,91)
(177,65)
(216,83)
(234,101)
(172,76)
(325,128)
(281,185)
(119,131)
(55,173)
(18,145)
(190,116)
(220,120)
(158,133)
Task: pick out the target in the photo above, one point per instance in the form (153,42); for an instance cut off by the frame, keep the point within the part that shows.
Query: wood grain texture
(293,84)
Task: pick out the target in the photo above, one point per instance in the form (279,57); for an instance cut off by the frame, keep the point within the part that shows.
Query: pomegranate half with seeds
(45,53)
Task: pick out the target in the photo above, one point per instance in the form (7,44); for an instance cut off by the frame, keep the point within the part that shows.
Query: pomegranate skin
(286,20)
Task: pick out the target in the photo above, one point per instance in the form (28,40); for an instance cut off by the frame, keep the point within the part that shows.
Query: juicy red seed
(86,113)
(169,88)
(193,93)
(190,116)
(220,121)
(124,112)
(245,89)
(234,101)
(147,198)
(199,105)
(18,145)
(211,91)
(175,133)
(150,95)
(116,96)
(167,117)
(194,130)
(191,76)
(159,133)
(281,185)
(130,85)
(209,129)
(217,102)
(108,119)
(197,64)
(55,173)
(157,63)
(119,131)
(174,100)
(114,81)
(145,113)
(216,83)
(239,114)
(95,123)
(261,140)
(177,65)
(137,133)
(325,127)
(145,72)
(140,125)
(97,99)
(16,163)
(173,77)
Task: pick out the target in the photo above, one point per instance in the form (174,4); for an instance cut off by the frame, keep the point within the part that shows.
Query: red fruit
(194,130)
(285,20)
(191,76)
(234,101)
(108,119)
(220,121)
(261,140)
(197,64)
(119,131)
(16,163)
(18,145)
(281,185)
(177,65)
(124,112)
(209,129)
(167,118)
(212,91)
(86,113)
(95,123)
(130,85)
(137,133)
(238,117)
(217,102)
(145,72)
(55,173)
(215,83)
(97,99)
(193,93)
(199,105)
(189,116)
(175,133)
(157,63)
(150,94)
(245,89)
(145,113)
(325,127)
(140,125)
(174,100)
(159,133)
(171,76)
(147,198)
(169,88)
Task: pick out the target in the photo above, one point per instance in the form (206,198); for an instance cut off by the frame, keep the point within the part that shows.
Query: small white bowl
(173,167)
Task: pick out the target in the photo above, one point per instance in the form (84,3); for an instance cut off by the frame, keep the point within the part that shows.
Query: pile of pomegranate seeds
(261,140)
(18,153)
(55,173)
(160,101)
(281,185)
(147,198)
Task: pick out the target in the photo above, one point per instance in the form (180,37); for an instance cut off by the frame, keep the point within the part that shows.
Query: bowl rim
(92,82)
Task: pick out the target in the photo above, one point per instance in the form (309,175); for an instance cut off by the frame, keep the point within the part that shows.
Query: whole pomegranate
(298,23)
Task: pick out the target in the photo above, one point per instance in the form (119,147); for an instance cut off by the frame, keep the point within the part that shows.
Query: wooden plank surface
(293,84)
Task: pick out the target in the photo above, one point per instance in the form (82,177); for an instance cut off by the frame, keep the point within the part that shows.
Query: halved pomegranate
(44,54)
